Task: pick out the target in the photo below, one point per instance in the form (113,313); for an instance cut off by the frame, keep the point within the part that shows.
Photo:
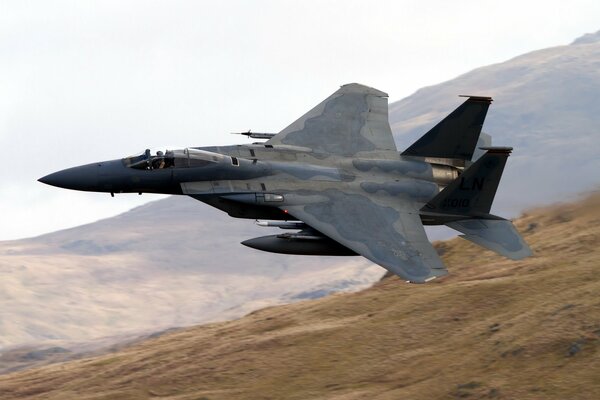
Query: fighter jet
(335,181)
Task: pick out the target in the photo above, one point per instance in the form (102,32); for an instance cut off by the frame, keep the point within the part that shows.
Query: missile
(283,224)
(255,135)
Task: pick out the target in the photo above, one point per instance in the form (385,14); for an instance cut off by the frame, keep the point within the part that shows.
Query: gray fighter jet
(336,181)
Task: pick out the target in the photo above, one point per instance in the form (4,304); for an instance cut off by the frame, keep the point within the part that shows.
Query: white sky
(82,81)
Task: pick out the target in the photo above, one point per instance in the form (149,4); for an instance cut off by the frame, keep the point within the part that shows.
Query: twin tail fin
(468,201)
(456,135)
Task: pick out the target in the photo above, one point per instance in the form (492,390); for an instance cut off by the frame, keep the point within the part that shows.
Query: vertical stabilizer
(472,193)
(485,140)
(456,135)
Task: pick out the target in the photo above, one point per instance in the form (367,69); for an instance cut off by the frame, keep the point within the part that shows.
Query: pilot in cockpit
(161,164)
(159,161)
(162,160)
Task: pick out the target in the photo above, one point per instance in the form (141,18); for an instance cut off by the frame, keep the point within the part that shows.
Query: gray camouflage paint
(499,236)
(355,113)
(336,169)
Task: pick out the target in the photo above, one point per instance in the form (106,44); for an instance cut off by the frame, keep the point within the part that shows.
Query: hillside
(177,262)
(492,329)
(545,106)
(173,262)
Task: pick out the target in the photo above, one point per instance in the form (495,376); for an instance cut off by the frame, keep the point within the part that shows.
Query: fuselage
(335,177)
(255,181)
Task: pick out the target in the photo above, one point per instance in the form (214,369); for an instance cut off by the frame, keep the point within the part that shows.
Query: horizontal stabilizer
(499,236)
(456,135)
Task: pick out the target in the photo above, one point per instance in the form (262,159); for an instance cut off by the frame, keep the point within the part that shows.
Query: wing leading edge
(375,228)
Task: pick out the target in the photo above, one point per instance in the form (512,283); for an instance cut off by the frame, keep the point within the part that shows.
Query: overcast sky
(82,81)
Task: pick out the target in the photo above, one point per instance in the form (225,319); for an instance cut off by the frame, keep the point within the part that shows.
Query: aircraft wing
(379,228)
(352,120)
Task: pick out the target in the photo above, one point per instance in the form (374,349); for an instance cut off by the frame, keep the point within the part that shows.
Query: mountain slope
(173,262)
(545,106)
(492,329)
(177,262)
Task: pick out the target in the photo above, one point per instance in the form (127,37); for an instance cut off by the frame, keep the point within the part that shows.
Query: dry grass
(493,329)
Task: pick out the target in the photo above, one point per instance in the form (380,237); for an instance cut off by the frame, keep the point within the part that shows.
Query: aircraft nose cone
(84,177)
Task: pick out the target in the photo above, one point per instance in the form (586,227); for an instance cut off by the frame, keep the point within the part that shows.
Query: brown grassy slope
(493,329)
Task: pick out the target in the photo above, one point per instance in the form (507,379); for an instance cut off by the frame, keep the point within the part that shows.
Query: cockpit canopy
(186,158)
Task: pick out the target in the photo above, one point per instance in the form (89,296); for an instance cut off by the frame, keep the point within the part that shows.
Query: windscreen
(186,158)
